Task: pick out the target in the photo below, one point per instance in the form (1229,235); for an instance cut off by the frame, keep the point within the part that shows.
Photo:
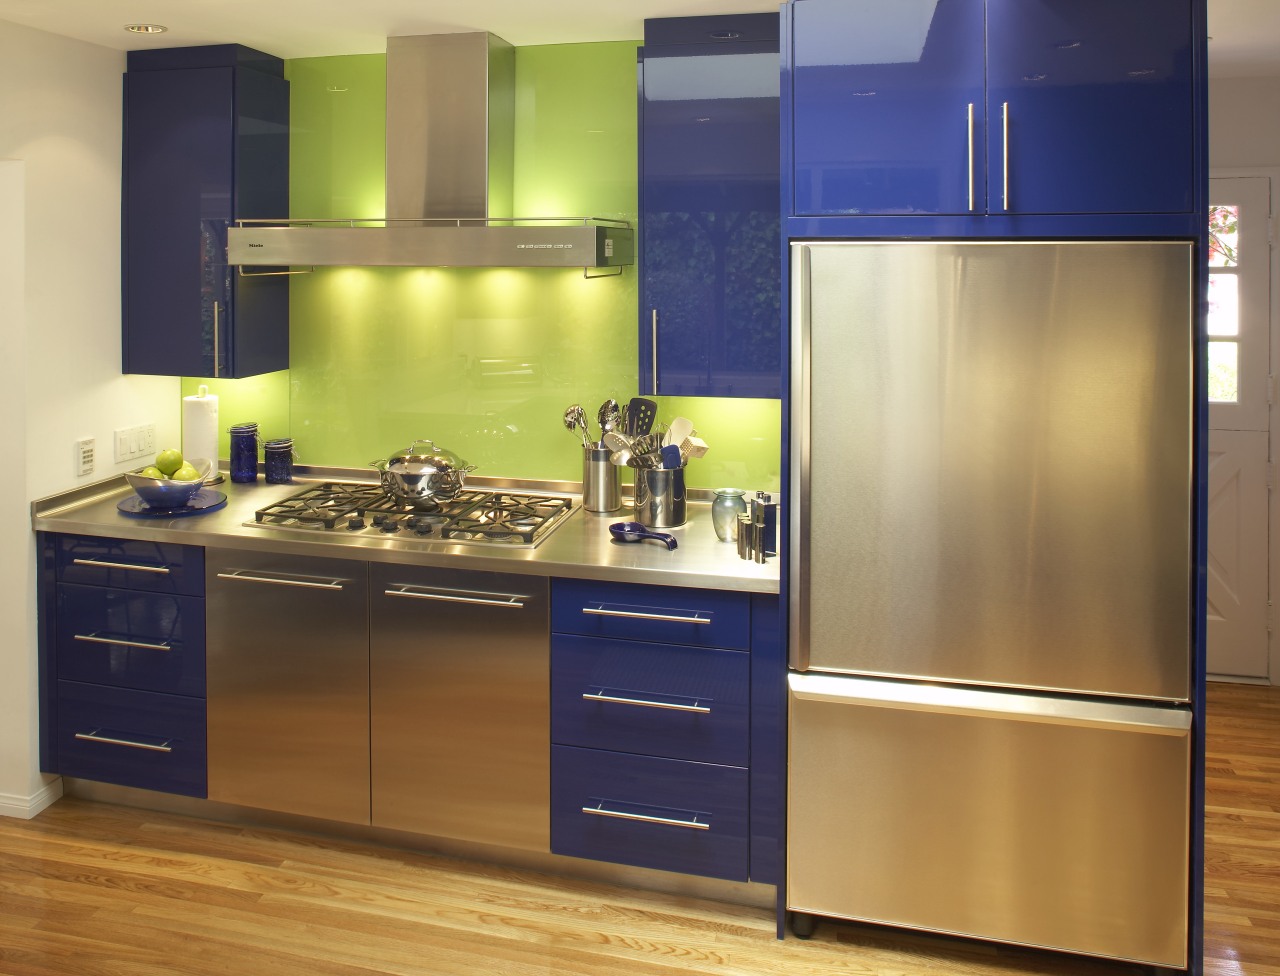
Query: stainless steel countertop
(580,547)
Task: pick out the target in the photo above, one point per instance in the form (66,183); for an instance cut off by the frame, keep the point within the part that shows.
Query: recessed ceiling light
(145,28)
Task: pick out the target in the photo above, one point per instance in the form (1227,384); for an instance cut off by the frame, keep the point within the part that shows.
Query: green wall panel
(482,361)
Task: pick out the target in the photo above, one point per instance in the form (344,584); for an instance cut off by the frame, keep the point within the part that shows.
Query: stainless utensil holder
(601,486)
(660,500)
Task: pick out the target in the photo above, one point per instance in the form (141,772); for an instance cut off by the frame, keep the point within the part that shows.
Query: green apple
(169,461)
(185,473)
(151,471)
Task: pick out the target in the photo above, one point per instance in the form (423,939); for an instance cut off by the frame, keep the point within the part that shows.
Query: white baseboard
(26,807)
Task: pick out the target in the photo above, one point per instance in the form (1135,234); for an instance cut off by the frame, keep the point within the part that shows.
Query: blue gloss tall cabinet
(1031,121)
(206,142)
(709,212)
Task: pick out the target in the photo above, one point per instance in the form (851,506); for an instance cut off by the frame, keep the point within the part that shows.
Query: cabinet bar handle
(95,639)
(971,155)
(671,618)
(600,811)
(217,367)
(654,350)
(645,703)
(107,740)
(163,570)
(310,584)
(1004,113)
(460,596)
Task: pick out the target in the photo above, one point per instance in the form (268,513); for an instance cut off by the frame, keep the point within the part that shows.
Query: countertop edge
(578,549)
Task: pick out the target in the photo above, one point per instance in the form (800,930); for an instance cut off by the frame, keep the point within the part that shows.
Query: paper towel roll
(200,426)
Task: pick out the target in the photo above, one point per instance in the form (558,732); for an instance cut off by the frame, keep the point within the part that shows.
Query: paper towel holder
(215,476)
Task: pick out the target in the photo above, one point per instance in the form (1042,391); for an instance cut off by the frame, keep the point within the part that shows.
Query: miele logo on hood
(559,247)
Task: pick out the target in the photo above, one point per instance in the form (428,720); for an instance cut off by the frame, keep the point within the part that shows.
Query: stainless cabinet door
(288,683)
(993,462)
(460,720)
(1035,820)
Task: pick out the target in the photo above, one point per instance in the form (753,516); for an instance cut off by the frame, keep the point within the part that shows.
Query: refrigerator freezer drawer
(1059,823)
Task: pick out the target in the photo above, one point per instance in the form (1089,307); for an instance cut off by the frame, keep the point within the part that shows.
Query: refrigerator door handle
(801,395)
(1011,705)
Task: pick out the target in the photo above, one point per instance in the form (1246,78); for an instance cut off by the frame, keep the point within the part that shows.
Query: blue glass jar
(277,459)
(244,453)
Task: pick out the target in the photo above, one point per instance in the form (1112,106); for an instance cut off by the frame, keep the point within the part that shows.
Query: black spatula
(640,415)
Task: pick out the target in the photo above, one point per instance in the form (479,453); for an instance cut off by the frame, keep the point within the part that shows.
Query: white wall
(1243,129)
(60,374)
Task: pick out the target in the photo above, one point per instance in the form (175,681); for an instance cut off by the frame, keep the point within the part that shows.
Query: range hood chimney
(450,152)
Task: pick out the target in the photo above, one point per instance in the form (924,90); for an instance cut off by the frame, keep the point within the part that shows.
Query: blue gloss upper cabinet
(1098,100)
(958,107)
(888,107)
(206,141)
(710,207)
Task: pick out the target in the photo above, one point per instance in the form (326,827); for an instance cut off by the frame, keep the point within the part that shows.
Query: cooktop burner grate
(490,517)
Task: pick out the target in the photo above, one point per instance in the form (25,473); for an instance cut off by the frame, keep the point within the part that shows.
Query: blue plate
(205,500)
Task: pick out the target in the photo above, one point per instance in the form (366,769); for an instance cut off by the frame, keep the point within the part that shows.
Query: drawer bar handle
(107,740)
(672,618)
(460,596)
(103,564)
(600,811)
(310,584)
(95,639)
(601,696)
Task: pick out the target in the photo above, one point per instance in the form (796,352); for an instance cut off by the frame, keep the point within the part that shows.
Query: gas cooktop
(487,517)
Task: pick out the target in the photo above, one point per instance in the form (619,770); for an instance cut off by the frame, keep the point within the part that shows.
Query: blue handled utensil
(635,532)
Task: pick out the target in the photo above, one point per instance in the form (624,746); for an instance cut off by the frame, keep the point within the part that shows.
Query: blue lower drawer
(131,639)
(133,738)
(666,700)
(668,814)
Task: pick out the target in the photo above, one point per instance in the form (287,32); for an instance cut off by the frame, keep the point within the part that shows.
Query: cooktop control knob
(356,522)
(421,526)
(390,525)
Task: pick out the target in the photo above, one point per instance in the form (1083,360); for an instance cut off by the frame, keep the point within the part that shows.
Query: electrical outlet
(84,456)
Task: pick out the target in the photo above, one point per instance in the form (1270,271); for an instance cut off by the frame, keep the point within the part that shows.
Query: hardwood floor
(1242,831)
(92,889)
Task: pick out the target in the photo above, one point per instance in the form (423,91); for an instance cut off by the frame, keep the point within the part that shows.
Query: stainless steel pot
(423,475)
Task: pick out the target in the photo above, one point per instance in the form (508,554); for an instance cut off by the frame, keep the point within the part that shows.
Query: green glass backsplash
(482,361)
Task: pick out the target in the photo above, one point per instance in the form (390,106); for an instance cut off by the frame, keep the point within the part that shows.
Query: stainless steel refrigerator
(991,590)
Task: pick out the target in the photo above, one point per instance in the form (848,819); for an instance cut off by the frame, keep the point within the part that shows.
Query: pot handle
(381,465)
(430,443)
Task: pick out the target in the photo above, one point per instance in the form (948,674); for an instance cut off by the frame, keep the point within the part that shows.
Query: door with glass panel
(1239,425)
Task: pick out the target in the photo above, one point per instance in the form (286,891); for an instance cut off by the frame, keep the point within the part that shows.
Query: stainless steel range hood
(450,149)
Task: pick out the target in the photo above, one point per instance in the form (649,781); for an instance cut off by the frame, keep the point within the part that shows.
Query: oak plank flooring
(98,890)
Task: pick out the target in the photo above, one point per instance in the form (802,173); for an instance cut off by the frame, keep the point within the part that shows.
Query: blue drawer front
(159,739)
(664,614)
(651,699)
(131,639)
(630,796)
(131,564)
